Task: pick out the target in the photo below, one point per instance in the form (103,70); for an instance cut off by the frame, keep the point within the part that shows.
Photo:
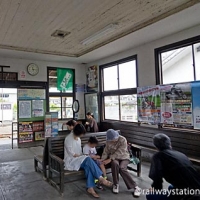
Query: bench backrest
(182,140)
(56,144)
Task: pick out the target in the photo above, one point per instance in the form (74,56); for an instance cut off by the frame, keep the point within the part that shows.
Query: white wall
(145,53)
(16,65)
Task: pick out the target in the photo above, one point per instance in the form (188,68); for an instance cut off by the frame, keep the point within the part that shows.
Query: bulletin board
(31,113)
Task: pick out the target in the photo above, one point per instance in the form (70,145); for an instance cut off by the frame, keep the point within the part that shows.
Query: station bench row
(53,155)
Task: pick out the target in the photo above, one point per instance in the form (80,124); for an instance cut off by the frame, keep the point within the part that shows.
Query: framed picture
(92,79)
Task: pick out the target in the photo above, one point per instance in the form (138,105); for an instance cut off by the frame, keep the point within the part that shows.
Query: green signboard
(65,79)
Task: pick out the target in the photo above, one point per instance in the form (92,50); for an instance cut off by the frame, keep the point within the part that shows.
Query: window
(119,82)
(179,62)
(8,76)
(59,101)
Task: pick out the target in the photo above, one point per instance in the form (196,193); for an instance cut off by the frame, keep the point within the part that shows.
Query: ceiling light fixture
(101,33)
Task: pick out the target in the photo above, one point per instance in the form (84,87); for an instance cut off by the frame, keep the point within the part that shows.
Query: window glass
(53,81)
(67,101)
(67,113)
(127,75)
(197,60)
(128,105)
(111,107)
(62,103)
(177,65)
(54,102)
(110,78)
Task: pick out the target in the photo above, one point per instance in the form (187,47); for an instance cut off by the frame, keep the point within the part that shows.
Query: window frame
(60,94)
(169,47)
(118,92)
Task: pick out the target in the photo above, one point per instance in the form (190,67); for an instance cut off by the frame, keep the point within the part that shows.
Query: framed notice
(37,108)
(24,109)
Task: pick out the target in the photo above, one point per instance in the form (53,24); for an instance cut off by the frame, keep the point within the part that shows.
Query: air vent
(60,34)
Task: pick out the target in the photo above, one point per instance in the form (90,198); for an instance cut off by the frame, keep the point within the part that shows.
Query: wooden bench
(56,156)
(152,150)
(38,159)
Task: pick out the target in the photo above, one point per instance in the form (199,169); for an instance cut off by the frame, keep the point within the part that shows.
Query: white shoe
(137,191)
(116,189)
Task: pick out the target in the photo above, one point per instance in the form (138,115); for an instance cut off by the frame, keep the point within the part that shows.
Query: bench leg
(139,164)
(36,165)
(44,169)
(62,183)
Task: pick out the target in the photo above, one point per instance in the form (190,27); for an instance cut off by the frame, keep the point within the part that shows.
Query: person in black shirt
(176,169)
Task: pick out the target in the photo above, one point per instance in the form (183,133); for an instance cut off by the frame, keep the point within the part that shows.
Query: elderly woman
(75,160)
(117,155)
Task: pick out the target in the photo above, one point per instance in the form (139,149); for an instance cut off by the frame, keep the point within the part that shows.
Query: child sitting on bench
(89,149)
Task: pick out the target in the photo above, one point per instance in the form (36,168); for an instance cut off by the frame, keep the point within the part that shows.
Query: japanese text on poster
(37,108)
(24,109)
(149,104)
(176,104)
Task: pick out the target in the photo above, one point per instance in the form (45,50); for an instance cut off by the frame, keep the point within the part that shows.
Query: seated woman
(74,160)
(91,123)
(116,153)
(70,124)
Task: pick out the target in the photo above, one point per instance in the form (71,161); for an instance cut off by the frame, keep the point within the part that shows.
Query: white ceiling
(174,23)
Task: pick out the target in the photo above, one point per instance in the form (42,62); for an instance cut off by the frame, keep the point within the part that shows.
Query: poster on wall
(47,122)
(148,104)
(25,137)
(25,127)
(37,108)
(92,79)
(38,126)
(176,104)
(39,135)
(25,132)
(54,125)
(24,109)
(196,104)
(166,113)
(65,79)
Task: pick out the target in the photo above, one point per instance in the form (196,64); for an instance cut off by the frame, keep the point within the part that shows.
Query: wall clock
(33,69)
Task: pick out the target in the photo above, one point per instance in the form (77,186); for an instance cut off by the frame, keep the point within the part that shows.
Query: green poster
(65,79)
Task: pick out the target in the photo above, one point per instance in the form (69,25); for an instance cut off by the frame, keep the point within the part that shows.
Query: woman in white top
(74,160)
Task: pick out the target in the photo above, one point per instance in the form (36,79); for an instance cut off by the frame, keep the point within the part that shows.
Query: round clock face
(33,69)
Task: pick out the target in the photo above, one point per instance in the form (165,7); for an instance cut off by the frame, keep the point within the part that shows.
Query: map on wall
(31,93)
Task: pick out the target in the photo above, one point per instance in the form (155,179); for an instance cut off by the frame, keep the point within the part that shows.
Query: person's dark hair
(71,122)
(90,114)
(162,141)
(93,140)
(79,129)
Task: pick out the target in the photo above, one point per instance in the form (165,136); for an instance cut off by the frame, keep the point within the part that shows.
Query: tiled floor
(19,181)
